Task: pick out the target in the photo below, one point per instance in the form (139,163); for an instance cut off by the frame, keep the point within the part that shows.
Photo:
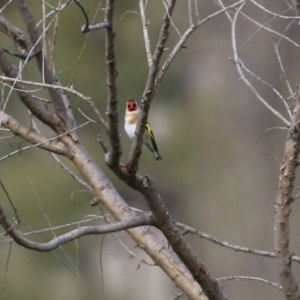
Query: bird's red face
(131,106)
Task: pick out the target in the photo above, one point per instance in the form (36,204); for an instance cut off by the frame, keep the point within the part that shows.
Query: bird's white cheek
(130,130)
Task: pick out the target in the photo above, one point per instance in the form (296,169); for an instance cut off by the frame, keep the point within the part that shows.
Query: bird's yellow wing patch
(150,132)
(151,135)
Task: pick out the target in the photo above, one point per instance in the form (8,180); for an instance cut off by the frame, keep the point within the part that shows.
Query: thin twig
(50,144)
(10,201)
(183,39)
(269,86)
(132,254)
(187,229)
(98,26)
(87,21)
(54,37)
(83,47)
(274,14)
(266,28)
(71,173)
(250,278)
(238,65)
(46,85)
(145,33)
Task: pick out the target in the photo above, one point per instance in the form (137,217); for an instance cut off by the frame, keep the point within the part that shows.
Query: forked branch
(59,98)
(150,90)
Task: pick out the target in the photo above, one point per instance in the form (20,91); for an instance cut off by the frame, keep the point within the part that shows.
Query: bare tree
(53,127)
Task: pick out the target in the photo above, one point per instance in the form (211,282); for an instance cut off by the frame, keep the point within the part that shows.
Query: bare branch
(282,206)
(187,229)
(34,105)
(31,135)
(87,22)
(132,254)
(157,249)
(102,144)
(183,39)
(266,28)
(275,91)
(45,85)
(167,225)
(250,278)
(40,144)
(72,235)
(145,32)
(15,33)
(85,29)
(64,166)
(273,14)
(78,223)
(11,202)
(71,173)
(112,100)
(193,12)
(24,56)
(237,61)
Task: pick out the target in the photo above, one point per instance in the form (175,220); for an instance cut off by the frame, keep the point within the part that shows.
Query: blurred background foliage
(219,171)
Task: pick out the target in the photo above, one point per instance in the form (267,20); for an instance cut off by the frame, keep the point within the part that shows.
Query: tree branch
(152,244)
(264,9)
(187,229)
(32,104)
(15,33)
(85,28)
(31,135)
(46,85)
(166,224)
(87,21)
(237,62)
(282,206)
(112,101)
(72,235)
(251,278)
(145,33)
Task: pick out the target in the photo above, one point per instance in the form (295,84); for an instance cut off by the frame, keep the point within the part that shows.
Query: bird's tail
(154,150)
(157,155)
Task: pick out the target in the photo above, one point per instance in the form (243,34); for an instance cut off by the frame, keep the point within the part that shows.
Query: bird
(131,120)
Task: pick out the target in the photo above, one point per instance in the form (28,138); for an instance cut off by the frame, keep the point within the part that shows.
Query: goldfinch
(131,119)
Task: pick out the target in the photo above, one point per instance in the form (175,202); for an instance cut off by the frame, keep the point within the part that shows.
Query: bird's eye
(131,106)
